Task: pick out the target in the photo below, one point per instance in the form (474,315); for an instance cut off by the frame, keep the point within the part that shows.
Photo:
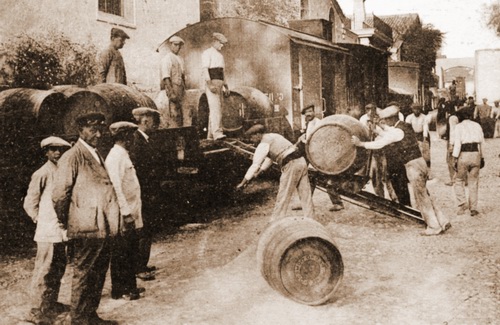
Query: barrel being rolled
(299,259)
(329,147)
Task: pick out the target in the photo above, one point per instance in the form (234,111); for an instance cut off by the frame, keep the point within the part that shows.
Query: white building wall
(147,22)
(487,74)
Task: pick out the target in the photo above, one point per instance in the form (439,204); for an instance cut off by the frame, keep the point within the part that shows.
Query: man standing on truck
(213,75)
(172,84)
(111,65)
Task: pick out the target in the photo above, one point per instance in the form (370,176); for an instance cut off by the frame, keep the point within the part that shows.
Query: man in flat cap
(274,147)
(111,65)
(483,114)
(172,84)
(399,139)
(128,192)
(85,203)
(213,76)
(468,153)
(311,123)
(146,161)
(50,236)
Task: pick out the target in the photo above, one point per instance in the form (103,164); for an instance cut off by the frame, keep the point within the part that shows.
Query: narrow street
(208,271)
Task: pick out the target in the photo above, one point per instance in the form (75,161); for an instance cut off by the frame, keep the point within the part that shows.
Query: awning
(400,91)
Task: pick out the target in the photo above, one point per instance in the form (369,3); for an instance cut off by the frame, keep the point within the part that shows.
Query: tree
(421,44)
(492,13)
(275,11)
(44,60)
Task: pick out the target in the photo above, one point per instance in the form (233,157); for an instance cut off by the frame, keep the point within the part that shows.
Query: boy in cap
(213,75)
(85,203)
(274,147)
(50,261)
(172,82)
(111,65)
(146,161)
(128,192)
(399,139)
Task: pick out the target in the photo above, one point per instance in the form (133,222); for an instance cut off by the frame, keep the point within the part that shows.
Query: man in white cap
(274,147)
(172,84)
(111,65)
(85,202)
(399,139)
(128,192)
(146,162)
(213,75)
(50,236)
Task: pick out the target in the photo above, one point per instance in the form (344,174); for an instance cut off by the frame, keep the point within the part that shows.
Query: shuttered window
(113,7)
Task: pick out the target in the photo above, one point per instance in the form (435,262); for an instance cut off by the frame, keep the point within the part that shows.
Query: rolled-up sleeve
(385,138)
(260,161)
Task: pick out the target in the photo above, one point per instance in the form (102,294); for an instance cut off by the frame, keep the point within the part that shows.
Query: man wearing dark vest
(273,147)
(399,139)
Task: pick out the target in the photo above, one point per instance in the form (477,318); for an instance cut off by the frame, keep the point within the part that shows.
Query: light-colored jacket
(38,205)
(124,179)
(84,198)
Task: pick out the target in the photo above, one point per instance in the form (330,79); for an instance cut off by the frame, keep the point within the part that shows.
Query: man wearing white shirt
(468,158)
(274,147)
(128,192)
(420,124)
(213,75)
(399,139)
(172,83)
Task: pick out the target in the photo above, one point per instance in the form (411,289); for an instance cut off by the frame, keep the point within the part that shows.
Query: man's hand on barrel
(356,141)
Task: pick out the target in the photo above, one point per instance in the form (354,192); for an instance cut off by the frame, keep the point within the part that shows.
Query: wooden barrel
(122,100)
(329,148)
(299,259)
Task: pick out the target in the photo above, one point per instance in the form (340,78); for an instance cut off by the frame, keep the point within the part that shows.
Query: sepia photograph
(250,162)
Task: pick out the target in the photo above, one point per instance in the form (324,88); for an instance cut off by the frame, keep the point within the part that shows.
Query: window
(113,7)
(118,12)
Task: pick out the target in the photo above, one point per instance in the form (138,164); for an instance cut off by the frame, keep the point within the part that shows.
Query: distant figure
(453,91)
(213,75)
(495,114)
(50,236)
(111,65)
(85,203)
(172,84)
(468,151)
(452,123)
(273,147)
(483,113)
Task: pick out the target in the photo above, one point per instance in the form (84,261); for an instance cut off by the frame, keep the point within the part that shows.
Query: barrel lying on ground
(329,147)
(298,258)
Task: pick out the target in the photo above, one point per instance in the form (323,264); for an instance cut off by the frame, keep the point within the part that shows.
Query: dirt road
(208,274)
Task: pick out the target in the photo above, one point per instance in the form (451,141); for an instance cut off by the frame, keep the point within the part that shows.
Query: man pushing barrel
(274,147)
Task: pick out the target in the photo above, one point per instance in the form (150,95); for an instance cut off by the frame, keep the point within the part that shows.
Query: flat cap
(140,111)
(90,119)
(122,126)
(370,106)
(117,32)
(257,128)
(176,40)
(221,38)
(303,111)
(54,142)
(389,111)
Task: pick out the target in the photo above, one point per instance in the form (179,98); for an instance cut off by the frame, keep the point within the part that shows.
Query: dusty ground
(208,272)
